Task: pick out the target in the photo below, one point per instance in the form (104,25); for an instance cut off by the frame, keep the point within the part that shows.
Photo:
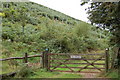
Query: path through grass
(40,74)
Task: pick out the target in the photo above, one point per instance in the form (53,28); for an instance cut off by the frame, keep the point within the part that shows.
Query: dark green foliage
(107,16)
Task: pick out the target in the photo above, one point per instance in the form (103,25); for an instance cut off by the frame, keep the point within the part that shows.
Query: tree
(107,16)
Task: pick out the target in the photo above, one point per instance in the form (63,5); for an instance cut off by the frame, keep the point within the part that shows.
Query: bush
(24,72)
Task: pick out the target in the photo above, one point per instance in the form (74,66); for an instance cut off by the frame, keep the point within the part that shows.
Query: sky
(68,7)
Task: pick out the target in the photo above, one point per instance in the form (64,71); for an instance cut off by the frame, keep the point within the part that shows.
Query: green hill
(38,10)
(30,27)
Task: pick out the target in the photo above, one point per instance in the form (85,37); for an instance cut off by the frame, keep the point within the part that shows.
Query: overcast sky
(68,7)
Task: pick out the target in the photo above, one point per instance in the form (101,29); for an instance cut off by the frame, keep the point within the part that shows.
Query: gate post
(45,61)
(106,60)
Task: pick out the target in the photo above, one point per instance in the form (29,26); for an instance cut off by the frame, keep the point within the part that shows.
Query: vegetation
(43,74)
(107,16)
(29,35)
(111,74)
(31,28)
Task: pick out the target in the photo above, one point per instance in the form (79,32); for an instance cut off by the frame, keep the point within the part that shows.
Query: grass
(7,68)
(113,74)
(43,74)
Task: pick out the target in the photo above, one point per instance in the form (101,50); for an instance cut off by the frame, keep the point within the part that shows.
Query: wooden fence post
(106,60)
(41,62)
(43,55)
(25,58)
(45,61)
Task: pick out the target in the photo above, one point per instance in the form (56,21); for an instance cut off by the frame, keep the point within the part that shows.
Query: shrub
(24,72)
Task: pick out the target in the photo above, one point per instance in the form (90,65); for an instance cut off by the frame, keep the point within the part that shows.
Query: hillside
(37,27)
(44,11)
(30,28)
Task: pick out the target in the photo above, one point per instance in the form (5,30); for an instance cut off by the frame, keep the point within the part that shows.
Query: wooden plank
(78,67)
(78,63)
(35,56)
(72,59)
(75,54)
(20,57)
(75,71)
(11,58)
